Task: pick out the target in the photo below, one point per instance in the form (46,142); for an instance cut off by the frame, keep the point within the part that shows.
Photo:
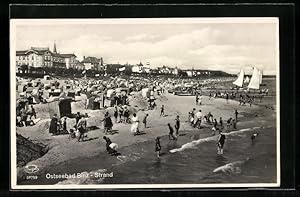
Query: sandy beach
(63,150)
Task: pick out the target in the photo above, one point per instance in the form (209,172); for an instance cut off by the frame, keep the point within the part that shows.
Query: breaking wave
(234,167)
(194,143)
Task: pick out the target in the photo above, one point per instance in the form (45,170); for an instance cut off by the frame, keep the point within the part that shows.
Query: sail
(254,82)
(247,79)
(260,76)
(239,81)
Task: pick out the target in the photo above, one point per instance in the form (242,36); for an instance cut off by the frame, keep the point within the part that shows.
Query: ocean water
(195,162)
(242,162)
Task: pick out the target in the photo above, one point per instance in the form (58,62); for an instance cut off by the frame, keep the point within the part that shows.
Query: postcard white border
(13,161)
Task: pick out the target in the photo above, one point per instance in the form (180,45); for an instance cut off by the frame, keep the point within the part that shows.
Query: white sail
(260,72)
(254,82)
(247,79)
(239,81)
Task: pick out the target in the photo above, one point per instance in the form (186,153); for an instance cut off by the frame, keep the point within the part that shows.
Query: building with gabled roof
(92,63)
(43,57)
(34,57)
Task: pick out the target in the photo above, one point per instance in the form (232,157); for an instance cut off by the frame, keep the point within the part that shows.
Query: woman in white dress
(135,125)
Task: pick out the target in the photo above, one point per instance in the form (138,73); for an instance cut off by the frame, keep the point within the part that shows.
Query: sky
(187,44)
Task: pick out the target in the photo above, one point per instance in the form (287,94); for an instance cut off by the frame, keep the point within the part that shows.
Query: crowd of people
(122,114)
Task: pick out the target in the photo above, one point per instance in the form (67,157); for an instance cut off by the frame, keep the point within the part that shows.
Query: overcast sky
(217,46)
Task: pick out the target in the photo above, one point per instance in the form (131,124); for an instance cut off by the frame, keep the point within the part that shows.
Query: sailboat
(260,72)
(239,81)
(255,79)
(247,80)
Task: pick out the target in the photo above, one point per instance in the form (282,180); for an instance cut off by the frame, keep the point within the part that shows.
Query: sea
(192,162)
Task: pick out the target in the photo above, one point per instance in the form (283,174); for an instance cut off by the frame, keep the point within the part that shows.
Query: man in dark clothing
(227,97)
(53,125)
(126,115)
(221,122)
(145,120)
(220,142)
(197,99)
(177,125)
(64,125)
(162,110)
(234,123)
(171,133)
(241,99)
(209,117)
(107,123)
(157,147)
(32,113)
(116,114)
(23,117)
(121,114)
(236,115)
(77,117)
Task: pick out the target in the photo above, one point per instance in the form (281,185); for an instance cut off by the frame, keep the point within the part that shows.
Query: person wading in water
(221,141)
(171,133)
(177,125)
(157,147)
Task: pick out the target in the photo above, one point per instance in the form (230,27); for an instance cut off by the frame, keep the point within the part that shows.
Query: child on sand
(162,110)
(157,147)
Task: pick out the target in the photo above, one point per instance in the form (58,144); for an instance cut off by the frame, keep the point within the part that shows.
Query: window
(32,57)
(23,57)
